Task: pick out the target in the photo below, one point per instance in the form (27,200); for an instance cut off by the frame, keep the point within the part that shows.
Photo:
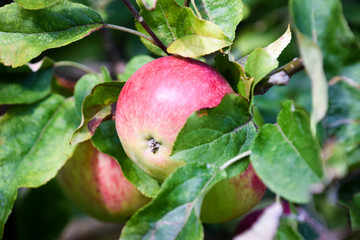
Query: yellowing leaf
(275,48)
(179,29)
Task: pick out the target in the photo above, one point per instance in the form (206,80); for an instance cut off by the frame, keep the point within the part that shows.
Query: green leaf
(354,208)
(162,22)
(343,121)
(196,37)
(287,157)
(209,138)
(275,48)
(96,108)
(35,4)
(234,73)
(105,74)
(323,20)
(340,52)
(175,212)
(180,30)
(286,231)
(217,134)
(312,59)
(83,88)
(349,196)
(288,227)
(227,14)
(24,33)
(259,64)
(107,141)
(19,86)
(34,146)
(133,65)
(86,83)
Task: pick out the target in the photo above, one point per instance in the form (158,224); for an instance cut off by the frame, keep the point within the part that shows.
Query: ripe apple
(153,106)
(94,182)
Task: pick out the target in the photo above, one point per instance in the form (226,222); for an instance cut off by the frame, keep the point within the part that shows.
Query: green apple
(232,198)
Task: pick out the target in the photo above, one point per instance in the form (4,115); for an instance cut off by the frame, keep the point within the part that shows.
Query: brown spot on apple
(153,145)
(202,113)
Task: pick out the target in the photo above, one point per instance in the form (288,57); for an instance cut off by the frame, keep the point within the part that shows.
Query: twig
(279,77)
(351,82)
(140,19)
(75,65)
(323,232)
(305,217)
(128,30)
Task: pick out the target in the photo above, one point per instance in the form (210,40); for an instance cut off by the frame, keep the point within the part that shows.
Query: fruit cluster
(152,108)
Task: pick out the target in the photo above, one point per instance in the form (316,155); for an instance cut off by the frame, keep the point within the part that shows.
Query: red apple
(154,105)
(94,182)
(152,108)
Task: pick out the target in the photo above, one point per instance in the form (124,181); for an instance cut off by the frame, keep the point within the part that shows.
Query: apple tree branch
(280,76)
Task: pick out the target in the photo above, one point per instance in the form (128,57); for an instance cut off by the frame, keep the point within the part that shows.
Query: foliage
(307,152)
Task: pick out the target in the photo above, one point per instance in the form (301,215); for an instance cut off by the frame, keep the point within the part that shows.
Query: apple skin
(155,103)
(153,106)
(94,182)
(232,197)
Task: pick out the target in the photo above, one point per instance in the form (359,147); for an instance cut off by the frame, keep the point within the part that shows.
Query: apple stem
(280,76)
(277,198)
(235,159)
(186,3)
(141,20)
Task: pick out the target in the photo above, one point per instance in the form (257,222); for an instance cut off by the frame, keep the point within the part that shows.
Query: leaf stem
(323,232)
(196,10)
(128,30)
(75,65)
(235,159)
(351,82)
(277,198)
(280,76)
(141,20)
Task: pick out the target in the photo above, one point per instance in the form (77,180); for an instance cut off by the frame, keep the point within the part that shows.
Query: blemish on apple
(202,113)
(153,145)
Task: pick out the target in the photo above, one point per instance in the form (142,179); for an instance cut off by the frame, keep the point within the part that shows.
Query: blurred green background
(44,213)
